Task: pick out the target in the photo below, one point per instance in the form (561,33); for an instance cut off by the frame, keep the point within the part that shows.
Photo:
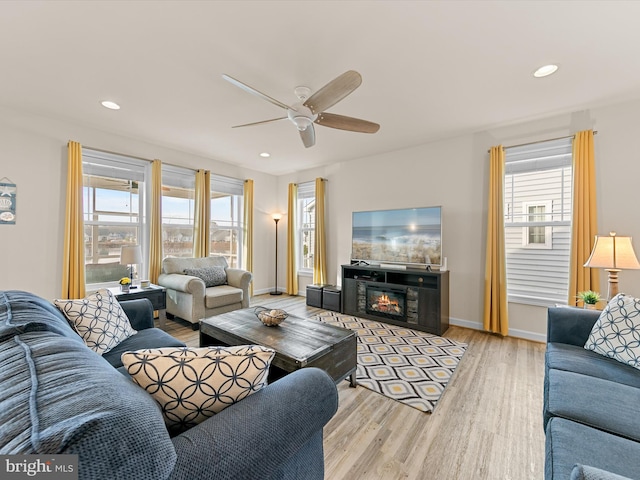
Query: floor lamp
(612,253)
(276,218)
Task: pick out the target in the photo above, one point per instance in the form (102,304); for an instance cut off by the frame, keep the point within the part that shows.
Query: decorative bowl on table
(271,318)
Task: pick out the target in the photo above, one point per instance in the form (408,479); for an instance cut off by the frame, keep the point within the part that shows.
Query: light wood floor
(487,424)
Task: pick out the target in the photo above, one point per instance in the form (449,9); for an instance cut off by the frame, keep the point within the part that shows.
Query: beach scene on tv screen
(411,236)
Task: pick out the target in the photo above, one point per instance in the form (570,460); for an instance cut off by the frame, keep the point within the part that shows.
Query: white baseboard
(263,291)
(513,332)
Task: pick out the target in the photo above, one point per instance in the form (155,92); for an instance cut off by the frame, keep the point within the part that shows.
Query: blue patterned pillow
(212,276)
(193,384)
(98,319)
(616,334)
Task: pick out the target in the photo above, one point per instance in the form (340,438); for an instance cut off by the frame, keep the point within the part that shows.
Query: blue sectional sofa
(59,397)
(591,405)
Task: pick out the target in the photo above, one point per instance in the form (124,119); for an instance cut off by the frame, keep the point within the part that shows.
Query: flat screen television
(407,236)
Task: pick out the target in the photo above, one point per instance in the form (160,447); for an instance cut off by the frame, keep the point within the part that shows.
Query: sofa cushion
(616,334)
(25,312)
(211,276)
(222,296)
(98,319)
(569,443)
(576,359)
(59,397)
(585,472)
(193,384)
(178,264)
(581,398)
(150,337)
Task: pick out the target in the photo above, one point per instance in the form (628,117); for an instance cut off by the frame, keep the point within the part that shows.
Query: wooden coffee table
(298,342)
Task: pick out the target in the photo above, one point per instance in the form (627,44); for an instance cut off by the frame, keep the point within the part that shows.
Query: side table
(155,293)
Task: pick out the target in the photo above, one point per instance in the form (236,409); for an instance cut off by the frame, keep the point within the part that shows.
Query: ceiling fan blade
(334,91)
(259,123)
(346,123)
(253,91)
(308,136)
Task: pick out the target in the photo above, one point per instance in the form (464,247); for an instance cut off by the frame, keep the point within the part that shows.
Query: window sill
(535,301)
(305,273)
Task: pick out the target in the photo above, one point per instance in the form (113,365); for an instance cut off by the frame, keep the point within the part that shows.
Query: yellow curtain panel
(584,223)
(320,251)
(496,317)
(73,256)
(155,223)
(201,232)
(292,270)
(247,243)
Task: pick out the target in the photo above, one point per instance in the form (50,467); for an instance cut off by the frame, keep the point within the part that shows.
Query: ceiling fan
(311,109)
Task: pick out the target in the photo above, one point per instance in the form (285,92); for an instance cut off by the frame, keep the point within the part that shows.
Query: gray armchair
(189,298)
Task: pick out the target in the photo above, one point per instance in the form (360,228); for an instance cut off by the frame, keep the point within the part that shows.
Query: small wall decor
(8,191)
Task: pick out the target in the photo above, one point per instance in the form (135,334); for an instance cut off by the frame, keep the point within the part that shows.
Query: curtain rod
(595,132)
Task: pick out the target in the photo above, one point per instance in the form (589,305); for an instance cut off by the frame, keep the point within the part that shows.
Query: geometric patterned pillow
(616,334)
(98,319)
(193,384)
(212,276)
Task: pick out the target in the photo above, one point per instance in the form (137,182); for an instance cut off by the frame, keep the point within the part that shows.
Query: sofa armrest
(182,283)
(139,312)
(256,436)
(570,325)
(239,278)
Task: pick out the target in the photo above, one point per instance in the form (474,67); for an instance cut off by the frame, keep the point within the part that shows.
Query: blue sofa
(591,405)
(59,397)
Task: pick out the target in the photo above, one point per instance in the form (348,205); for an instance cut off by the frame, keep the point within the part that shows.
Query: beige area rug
(408,366)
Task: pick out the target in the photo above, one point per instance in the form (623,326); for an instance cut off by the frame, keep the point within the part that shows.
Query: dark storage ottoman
(331,298)
(314,295)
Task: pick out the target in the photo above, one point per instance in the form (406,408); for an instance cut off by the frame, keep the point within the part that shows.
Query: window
(306,225)
(113,206)
(537,205)
(178,193)
(536,235)
(227,208)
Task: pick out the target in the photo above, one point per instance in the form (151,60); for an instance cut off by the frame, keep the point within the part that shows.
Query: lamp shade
(130,255)
(613,252)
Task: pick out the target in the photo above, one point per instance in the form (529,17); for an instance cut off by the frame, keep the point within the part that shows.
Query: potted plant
(125,283)
(589,299)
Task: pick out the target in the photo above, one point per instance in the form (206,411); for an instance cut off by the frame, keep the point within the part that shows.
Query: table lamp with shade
(131,255)
(612,253)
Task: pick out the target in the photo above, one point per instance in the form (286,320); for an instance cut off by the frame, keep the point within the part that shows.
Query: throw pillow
(616,333)
(98,319)
(193,384)
(212,276)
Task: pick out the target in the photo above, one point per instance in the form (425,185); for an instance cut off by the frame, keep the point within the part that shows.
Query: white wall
(454,173)
(33,154)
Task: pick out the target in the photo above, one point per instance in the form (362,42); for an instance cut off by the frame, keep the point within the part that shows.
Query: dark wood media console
(420,298)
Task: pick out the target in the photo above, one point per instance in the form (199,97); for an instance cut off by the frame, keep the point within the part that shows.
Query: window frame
(306,193)
(105,165)
(540,157)
(221,185)
(178,178)
(526,230)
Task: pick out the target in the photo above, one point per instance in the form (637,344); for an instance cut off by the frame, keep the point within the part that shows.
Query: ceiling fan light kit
(312,108)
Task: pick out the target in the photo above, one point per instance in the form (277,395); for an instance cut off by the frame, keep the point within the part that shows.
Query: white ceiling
(431,69)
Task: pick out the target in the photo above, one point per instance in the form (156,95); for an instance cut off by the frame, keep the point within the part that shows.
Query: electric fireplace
(386,302)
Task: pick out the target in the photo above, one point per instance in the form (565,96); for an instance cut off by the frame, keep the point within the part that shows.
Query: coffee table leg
(162,317)
(352,380)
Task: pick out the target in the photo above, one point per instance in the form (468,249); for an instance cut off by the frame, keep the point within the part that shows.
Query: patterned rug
(405,365)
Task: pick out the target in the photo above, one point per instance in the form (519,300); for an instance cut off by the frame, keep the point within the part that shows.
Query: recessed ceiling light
(111,105)
(545,71)
(265,154)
